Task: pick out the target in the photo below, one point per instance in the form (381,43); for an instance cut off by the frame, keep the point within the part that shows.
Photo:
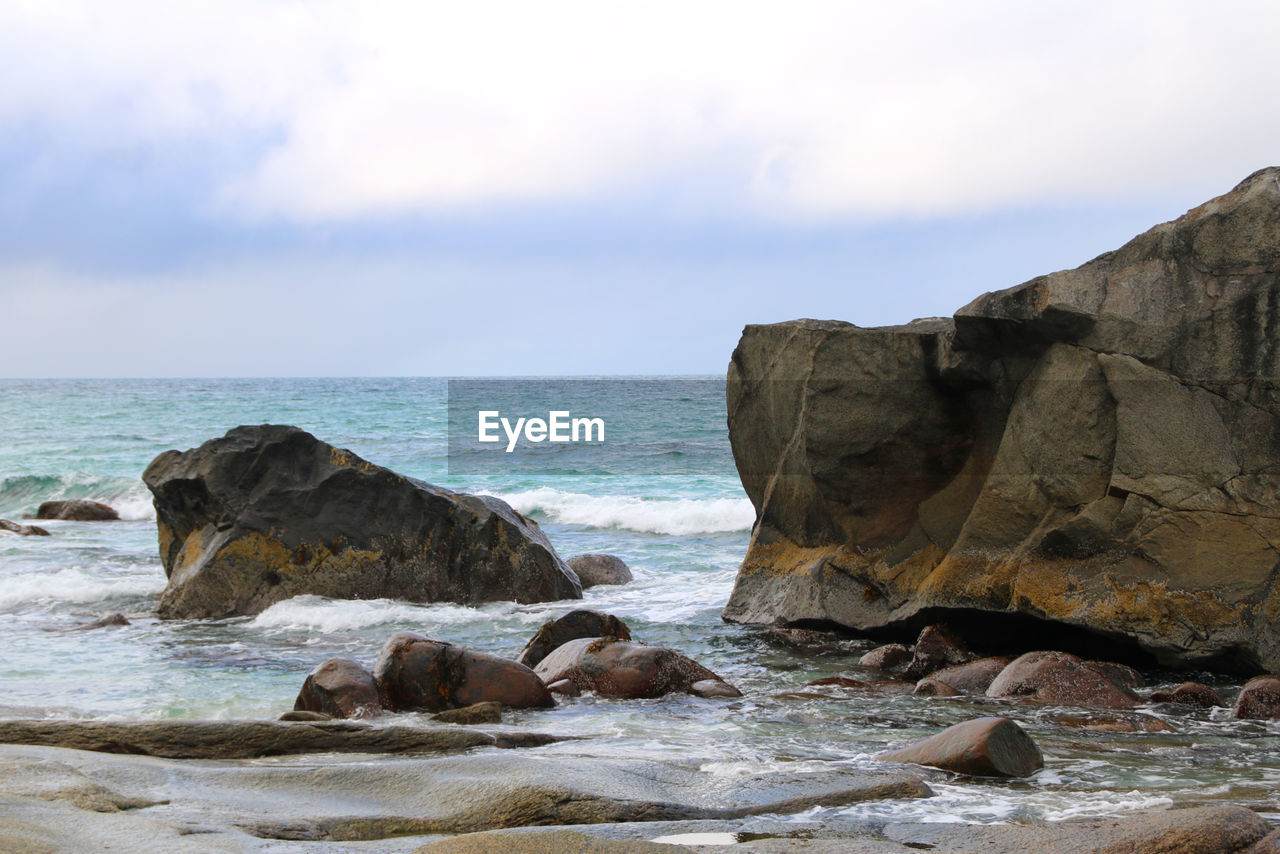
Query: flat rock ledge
(253,739)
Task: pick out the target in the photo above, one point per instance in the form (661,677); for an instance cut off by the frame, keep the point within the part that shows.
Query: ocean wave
(321,614)
(678,516)
(24,493)
(75,585)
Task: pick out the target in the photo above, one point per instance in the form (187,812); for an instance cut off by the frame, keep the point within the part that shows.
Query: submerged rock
(104,622)
(22,530)
(340,688)
(580,623)
(77,510)
(1094,449)
(415,673)
(596,569)
(1189,694)
(983,747)
(1059,678)
(267,513)
(629,671)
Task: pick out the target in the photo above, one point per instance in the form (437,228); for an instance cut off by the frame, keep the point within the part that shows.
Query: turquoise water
(682,528)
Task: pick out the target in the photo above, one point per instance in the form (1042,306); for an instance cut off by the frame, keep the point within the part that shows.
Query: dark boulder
(1059,678)
(488,712)
(1189,694)
(340,688)
(984,747)
(1093,449)
(974,677)
(77,510)
(1259,698)
(22,530)
(580,623)
(595,569)
(628,671)
(415,673)
(267,513)
(936,647)
(891,657)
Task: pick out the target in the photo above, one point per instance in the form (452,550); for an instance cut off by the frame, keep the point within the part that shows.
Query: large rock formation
(1095,452)
(267,513)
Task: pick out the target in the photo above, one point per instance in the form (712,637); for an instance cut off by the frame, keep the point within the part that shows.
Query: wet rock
(1094,448)
(270,512)
(77,510)
(1269,844)
(1059,678)
(1121,674)
(415,673)
(301,716)
(596,569)
(983,747)
(711,688)
(624,670)
(240,739)
(931,687)
(1202,830)
(972,678)
(565,688)
(340,688)
(547,842)
(489,712)
(888,687)
(22,530)
(1259,698)
(1114,723)
(891,656)
(581,623)
(103,623)
(1189,694)
(936,647)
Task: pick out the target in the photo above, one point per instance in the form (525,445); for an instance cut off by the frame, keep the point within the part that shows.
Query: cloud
(808,111)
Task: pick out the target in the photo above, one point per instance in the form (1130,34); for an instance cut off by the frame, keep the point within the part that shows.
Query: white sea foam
(74,584)
(320,614)
(679,516)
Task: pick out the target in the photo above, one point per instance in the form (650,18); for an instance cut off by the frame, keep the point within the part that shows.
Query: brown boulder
(488,712)
(891,656)
(415,673)
(1189,694)
(22,530)
(628,671)
(77,510)
(983,747)
(580,623)
(1059,678)
(1121,674)
(936,647)
(303,716)
(339,688)
(931,687)
(972,678)
(597,569)
(1259,698)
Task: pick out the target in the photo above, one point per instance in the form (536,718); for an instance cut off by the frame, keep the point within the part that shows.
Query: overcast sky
(418,188)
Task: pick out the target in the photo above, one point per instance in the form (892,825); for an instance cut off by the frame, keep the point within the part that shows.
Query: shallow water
(683,535)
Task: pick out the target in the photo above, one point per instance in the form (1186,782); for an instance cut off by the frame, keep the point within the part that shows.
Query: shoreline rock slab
(269,512)
(1089,455)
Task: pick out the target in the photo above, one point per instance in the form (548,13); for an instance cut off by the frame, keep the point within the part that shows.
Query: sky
(419,188)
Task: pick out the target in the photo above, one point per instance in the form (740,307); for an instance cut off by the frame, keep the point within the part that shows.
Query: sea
(669,503)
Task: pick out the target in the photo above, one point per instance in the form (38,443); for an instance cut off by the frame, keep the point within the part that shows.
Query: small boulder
(936,647)
(1259,698)
(105,622)
(77,510)
(580,623)
(932,687)
(1269,844)
(972,678)
(303,716)
(488,712)
(627,671)
(1121,674)
(891,656)
(340,688)
(1189,694)
(22,530)
(983,747)
(596,569)
(415,673)
(1059,678)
